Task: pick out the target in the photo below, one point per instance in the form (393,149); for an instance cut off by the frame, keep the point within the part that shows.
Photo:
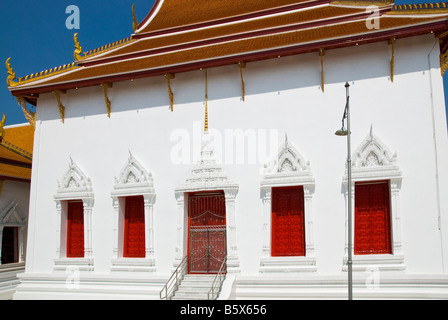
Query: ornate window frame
(288,168)
(207,175)
(10,217)
(373,161)
(133,180)
(75,185)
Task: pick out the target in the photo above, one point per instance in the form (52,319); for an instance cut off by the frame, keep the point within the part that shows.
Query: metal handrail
(221,276)
(173,282)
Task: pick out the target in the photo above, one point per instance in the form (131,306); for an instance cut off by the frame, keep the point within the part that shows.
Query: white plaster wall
(18,192)
(282,94)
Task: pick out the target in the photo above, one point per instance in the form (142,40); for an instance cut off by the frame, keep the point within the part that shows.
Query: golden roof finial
(78,48)
(11,74)
(206,106)
(134,18)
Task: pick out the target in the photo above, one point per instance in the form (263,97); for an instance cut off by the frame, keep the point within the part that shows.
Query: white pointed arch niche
(11,216)
(75,185)
(133,180)
(373,161)
(288,168)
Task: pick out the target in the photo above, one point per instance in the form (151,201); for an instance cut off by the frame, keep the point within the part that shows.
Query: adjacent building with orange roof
(16,149)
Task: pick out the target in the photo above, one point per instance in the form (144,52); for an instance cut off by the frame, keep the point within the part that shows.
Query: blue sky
(35,36)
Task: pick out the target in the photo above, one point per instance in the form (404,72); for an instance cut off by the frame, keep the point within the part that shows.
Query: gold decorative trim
(29,115)
(11,74)
(322,76)
(169,77)
(106,47)
(392,60)
(78,48)
(42,74)
(243,87)
(17,150)
(105,86)
(2,130)
(442,35)
(419,8)
(443,62)
(134,19)
(66,67)
(61,107)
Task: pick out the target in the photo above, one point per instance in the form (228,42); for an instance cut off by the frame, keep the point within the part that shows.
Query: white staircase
(194,287)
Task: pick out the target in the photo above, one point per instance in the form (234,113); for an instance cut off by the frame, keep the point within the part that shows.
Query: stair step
(189,295)
(189,282)
(188,298)
(194,287)
(210,277)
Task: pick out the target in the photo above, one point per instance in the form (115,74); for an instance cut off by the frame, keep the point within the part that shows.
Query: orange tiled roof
(16,150)
(14,172)
(235,28)
(183,36)
(21,136)
(175,13)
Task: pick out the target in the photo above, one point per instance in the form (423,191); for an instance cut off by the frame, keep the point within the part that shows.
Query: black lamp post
(346,132)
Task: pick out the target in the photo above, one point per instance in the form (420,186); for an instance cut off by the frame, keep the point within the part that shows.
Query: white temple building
(203,145)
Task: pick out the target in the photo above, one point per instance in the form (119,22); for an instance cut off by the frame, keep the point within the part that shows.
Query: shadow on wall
(273,75)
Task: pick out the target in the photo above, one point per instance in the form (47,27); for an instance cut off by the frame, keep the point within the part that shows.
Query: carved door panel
(207,232)
(134,228)
(75,230)
(288,223)
(372,219)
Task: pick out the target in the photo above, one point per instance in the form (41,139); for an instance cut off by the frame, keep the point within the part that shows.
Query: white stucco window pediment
(373,161)
(75,185)
(133,180)
(288,168)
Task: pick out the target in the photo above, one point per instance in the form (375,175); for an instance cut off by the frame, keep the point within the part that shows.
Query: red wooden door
(372,219)
(134,228)
(288,222)
(207,247)
(75,229)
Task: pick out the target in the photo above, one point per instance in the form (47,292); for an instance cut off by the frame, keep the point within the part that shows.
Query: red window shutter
(372,218)
(288,222)
(134,228)
(75,230)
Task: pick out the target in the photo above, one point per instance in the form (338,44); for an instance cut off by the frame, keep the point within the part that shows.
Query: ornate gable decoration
(207,174)
(133,179)
(74,184)
(10,216)
(287,168)
(372,159)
